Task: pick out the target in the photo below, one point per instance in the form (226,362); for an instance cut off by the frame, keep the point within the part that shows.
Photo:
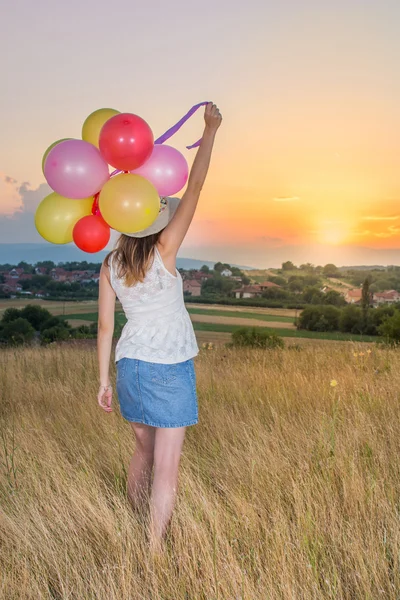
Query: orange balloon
(129,203)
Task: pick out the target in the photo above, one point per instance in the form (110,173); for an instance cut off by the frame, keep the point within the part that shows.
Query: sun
(332,232)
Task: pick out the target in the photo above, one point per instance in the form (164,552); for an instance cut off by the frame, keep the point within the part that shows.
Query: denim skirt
(157,394)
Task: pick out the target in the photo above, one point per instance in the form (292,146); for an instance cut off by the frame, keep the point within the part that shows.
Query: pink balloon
(166,169)
(75,169)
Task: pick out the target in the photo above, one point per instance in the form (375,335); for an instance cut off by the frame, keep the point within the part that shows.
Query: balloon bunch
(88,201)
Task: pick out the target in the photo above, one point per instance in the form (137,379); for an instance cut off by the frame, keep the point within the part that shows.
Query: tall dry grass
(289,488)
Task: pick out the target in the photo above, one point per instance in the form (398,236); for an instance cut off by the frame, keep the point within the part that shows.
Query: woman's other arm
(104,337)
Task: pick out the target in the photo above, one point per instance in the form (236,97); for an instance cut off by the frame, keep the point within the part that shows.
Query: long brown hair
(132,257)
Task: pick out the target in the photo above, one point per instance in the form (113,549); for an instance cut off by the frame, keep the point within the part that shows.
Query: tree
(390,328)
(218,285)
(219,267)
(37,282)
(205,269)
(350,320)
(331,270)
(319,318)
(278,280)
(56,333)
(16,332)
(36,315)
(254,337)
(25,266)
(296,284)
(10,314)
(334,298)
(307,267)
(311,280)
(313,295)
(46,264)
(382,284)
(288,266)
(366,298)
(275,294)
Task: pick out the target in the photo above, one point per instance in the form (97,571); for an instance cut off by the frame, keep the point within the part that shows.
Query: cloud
(286,198)
(364,232)
(19,227)
(269,240)
(373,218)
(389,232)
(10,180)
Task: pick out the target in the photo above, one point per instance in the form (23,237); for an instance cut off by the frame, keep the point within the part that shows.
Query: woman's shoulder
(109,259)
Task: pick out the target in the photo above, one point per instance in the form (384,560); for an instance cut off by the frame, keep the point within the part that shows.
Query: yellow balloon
(56,216)
(51,148)
(93,124)
(129,203)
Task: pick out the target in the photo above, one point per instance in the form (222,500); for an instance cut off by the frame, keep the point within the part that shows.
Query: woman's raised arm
(172,236)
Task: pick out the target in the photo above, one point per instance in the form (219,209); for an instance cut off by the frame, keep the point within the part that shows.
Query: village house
(353,296)
(226,273)
(40,271)
(78,275)
(248,291)
(387,297)
(192,286)
(197,275)
(58,274)
(267,285)
(254,290)
(11,287)
(15,273)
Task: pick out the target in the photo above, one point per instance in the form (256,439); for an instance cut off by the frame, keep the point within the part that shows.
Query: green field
(86,311)
(223,328)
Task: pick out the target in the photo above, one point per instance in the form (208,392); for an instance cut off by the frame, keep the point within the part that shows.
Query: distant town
(290,285)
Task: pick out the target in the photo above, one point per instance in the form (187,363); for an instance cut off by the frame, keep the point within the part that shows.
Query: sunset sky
(307,162)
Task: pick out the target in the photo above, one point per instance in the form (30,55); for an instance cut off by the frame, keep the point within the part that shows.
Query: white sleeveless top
(158,328)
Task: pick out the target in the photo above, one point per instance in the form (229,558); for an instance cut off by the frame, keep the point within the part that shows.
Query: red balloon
(91,233)
(126,141)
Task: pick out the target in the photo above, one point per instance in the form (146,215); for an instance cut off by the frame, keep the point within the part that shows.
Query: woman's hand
(104,397)
(212,117)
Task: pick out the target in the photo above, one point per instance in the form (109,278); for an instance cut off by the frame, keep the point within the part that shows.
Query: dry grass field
(289,487)
(210,318)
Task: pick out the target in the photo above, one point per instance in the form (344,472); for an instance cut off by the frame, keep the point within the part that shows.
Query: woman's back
(158,327)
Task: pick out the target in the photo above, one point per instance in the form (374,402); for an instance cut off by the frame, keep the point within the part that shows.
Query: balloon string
(168,134)
(95,205)
(172,130)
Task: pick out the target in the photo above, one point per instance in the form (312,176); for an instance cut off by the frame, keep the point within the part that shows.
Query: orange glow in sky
(308,154)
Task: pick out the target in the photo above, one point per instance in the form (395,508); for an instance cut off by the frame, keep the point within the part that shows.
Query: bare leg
(167,454)
(140,468)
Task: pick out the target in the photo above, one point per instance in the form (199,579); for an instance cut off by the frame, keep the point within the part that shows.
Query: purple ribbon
(168,134)
(172,130)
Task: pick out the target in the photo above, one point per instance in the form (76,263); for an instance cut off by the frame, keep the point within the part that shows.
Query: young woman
(156,380)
